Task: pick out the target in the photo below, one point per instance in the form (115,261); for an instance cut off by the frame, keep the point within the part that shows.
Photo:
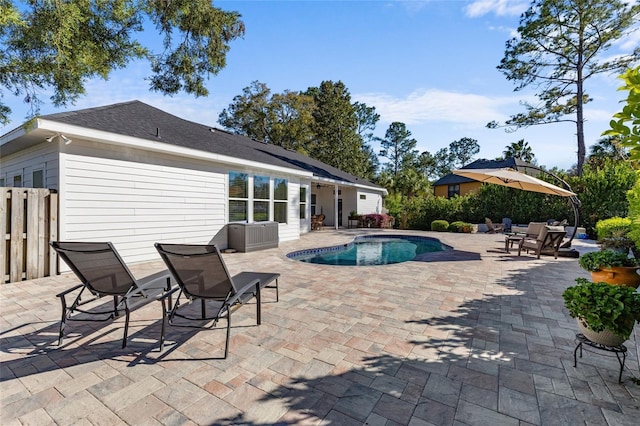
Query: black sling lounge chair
(103,273)
(202,274)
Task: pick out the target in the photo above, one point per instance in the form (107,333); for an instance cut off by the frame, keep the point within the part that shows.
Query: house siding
(371,204)
(136,198)
(43,156)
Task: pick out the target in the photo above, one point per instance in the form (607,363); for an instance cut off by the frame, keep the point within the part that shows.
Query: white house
(133,174)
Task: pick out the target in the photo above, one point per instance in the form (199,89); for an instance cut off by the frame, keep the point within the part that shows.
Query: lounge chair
(548,240)
(103,273)
(492,229)
(202,275)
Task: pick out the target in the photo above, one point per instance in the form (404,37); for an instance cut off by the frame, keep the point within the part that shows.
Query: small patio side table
(509,239)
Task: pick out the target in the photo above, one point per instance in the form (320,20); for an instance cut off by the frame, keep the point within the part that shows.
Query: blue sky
(429,64)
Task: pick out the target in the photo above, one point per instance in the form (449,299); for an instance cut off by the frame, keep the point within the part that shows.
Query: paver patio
(476,336)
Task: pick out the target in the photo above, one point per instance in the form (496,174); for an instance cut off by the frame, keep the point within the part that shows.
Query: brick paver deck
(477,337)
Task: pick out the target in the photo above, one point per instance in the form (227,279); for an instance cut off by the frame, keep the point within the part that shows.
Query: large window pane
(280,212)
(237,211)
(261,187)
(280,189)
(303,202)
(238,185)
(260,211)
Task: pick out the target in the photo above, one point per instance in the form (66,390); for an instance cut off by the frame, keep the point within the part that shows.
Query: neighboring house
(452,184)
(132,174)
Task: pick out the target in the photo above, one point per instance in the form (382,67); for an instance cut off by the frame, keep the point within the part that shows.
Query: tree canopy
(560,45)
(59,45)
(520,149)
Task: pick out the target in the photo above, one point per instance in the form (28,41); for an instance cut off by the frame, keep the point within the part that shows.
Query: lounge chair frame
(549,239)
(188,264)
(114,279)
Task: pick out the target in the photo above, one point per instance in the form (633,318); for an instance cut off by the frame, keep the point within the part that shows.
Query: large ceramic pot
(618,275)
(605,337)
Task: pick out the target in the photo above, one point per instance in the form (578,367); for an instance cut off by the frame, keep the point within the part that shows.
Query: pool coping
(294,255)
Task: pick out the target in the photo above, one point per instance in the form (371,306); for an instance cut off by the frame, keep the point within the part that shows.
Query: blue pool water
(371,250)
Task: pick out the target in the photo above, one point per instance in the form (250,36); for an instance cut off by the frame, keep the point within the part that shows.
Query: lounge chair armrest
(64,293)
(157,280)
(168,293)
(252,287)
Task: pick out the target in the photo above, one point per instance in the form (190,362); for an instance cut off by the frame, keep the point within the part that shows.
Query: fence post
(17,235)
(4,193)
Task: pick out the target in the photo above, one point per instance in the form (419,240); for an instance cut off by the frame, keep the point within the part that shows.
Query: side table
(510,239)
(620,349)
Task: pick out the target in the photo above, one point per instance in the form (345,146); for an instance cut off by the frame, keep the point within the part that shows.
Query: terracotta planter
(605,337)
(618,275)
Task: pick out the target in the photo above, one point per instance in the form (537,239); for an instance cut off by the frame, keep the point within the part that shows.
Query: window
(363,196)
(17,181)
(313,204)
(303,202)
(38,179)
(1,181)
(261,190)
(280,197)
(453,190)
(238,196)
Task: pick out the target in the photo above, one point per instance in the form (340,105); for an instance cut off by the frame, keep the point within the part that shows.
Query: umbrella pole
(575,202)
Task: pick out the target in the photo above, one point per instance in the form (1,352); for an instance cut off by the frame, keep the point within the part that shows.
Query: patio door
(339,211)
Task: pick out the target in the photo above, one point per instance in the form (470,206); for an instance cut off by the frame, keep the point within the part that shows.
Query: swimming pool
(371,250)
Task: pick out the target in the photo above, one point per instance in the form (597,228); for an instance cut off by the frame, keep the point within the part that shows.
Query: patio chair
(317,222)
(103,273)
(506,224)
(492,229)
(548,240)
(202,275)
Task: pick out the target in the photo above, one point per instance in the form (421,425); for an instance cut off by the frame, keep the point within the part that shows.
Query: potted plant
(611,267)
(606,314)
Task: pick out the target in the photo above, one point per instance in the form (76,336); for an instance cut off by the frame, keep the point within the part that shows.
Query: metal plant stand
(619,349)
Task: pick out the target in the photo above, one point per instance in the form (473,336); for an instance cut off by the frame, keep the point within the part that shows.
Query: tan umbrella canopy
(513,179)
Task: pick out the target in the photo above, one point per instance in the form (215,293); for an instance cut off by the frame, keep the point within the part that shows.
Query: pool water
(371,250)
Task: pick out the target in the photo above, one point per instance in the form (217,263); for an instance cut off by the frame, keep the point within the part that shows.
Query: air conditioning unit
(245,237)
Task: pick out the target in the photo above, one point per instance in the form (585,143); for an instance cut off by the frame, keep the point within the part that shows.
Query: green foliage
(398,147)
(58,45)
(440,225)
(560,45)
(520,149)
(627,125)
(602,192)
(633,196)
(614,227)
(596,260)
(459,226)
(603,306)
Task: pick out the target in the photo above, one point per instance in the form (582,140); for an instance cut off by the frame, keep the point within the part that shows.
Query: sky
(429,64)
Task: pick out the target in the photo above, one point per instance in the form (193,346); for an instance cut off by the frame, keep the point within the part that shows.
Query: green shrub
(604,306)
(459,226)
(596,260)
(615,227)
(633,196)
(439,225)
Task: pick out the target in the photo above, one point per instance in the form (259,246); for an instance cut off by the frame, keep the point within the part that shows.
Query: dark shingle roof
(140,120)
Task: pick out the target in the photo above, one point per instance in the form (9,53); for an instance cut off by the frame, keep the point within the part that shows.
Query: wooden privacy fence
(28,222)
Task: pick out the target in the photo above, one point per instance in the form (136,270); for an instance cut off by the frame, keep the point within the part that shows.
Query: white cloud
(434,105)
(497,7)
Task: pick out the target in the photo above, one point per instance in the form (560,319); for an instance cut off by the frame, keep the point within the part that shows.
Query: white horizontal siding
(43,156)
(137,204)
(372,203)
(291,230)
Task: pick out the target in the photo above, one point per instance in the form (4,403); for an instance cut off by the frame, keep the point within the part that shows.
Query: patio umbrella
(513,179)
